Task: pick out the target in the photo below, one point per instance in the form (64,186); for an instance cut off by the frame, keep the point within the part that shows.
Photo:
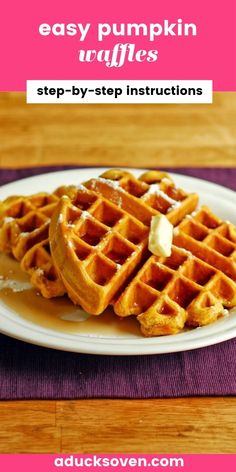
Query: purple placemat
(31,372)
(223,176)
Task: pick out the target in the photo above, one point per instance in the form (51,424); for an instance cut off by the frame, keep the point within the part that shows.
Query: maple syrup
(57,314)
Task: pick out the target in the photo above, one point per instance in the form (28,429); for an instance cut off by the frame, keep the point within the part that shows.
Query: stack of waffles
(91,243)
(24,234)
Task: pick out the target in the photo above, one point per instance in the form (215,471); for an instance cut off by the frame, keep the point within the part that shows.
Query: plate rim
(91,345)
(104,168)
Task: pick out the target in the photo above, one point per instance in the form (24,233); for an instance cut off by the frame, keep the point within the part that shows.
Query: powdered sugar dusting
(14,285)
(39,272)
(8,219)
(185,251)
(84,215)
(165,180)
(81,187)
(112,183)
(174,206)
(116,199)
(24,234)
(176,231)
(158,263)
(154,189)
(191,215)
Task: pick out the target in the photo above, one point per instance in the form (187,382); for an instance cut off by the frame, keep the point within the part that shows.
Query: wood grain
(119,135)
(151,426)
(28,427)
(185,425)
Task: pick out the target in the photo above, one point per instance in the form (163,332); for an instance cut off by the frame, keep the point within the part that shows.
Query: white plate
(115,341)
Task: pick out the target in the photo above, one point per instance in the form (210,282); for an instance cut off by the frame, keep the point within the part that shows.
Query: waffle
(99,237)
(24,227)
(24,222)
(194,286)
(210,239)
(37,262)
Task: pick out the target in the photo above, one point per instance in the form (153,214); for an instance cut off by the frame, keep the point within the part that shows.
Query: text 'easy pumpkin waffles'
(91,242)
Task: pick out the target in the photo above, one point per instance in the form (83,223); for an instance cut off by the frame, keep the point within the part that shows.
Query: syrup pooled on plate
(58,314)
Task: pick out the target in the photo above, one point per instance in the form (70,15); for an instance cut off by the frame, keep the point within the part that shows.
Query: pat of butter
(160,236)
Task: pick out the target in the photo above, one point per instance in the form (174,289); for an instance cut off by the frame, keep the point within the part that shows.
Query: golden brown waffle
(99,237)
(24,222)
(98,240)
(24,227)
(210,239)
(193,286)
(153,193)
(37,262)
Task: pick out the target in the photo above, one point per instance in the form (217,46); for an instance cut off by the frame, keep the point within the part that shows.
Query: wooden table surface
(120,135)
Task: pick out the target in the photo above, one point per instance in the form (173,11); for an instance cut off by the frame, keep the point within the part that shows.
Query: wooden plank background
(184,425)
(119,135)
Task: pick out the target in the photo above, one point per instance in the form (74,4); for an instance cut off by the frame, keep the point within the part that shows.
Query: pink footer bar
(117,462)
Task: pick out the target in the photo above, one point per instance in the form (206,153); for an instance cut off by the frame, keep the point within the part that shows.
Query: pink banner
(126,40)
(118,462)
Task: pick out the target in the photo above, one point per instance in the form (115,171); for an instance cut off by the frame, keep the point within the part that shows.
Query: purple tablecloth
(31,372)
